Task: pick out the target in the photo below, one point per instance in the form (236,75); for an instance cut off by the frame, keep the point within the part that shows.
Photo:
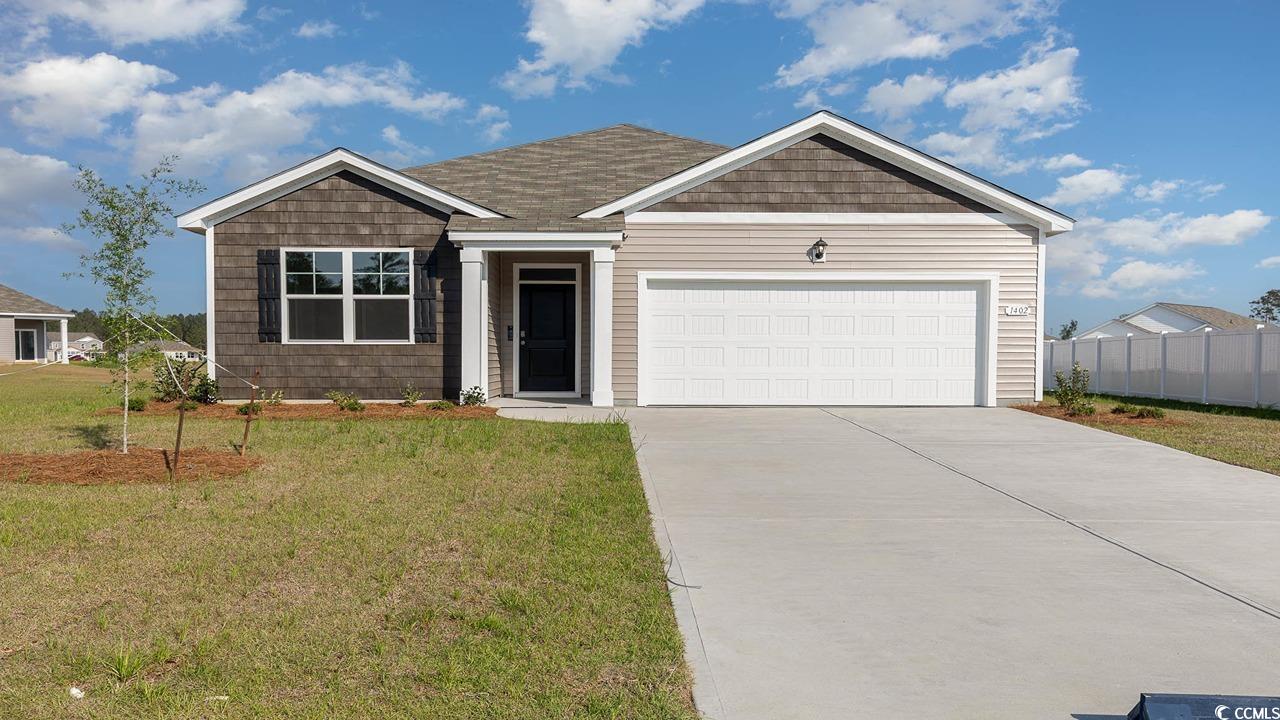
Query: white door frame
(989,286)
(516,282)
(35,347)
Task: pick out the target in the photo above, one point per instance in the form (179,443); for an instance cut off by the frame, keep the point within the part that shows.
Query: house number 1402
(1017,310)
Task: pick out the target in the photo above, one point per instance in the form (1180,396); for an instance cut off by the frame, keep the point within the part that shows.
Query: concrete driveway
(956,563)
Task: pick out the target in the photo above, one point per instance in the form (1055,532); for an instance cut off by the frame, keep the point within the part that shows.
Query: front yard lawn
(427,568)
(1249,437)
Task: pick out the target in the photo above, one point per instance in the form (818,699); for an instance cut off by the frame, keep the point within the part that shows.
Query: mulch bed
(1103,417)
(111,467)
(319,411)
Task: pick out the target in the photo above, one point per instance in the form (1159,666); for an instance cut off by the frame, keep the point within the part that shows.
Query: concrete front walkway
(956,563)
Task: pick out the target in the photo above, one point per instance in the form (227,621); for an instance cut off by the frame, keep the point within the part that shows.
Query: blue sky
(1152,127)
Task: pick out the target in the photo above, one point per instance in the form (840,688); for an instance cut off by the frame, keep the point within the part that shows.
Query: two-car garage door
(761,342)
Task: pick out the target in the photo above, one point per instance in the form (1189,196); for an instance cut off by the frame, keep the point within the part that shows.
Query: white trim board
(771,218)
(988,310)
(486,240)
(516,282)
(827,123)
(314,170)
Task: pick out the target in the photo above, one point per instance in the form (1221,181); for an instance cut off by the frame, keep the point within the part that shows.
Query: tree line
(188,327)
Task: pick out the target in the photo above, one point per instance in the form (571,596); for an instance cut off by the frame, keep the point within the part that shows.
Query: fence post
(1164,359)
(1097,365)
(1048,372)
(1204,367)
(1128,363)
(1073,352)
(1257,365)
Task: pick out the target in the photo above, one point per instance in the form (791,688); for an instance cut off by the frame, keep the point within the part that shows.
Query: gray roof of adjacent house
(13,302)
(543,185)
(1217,317)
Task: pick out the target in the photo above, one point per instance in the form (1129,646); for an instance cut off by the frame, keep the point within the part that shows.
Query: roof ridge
(580,133)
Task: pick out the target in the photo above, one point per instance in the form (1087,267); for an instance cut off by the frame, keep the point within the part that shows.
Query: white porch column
(66,351)
(602,327)
(475,302)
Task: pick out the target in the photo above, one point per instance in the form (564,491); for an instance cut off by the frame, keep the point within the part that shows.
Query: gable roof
(858,137)
(13,302)
(547,185)
(1217,317)
(335,161)
(1118,321)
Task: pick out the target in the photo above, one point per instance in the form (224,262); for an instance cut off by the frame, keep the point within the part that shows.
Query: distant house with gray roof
(1161,317)
(22,326)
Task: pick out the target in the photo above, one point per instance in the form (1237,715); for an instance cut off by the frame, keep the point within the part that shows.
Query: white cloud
(402,152)
(493,121)
(1088,186)
(27,181)
(1175,231)
(1207,190)
(850,35)
(1157,190)
(270,13)
(211,126)
(43,237)
(1069,161)
(895,100)
(1139,277)
(313,29)
(1076,257)
(580,40)
(126,22)
(979,151)
(73,96)
(1040,88)
(1270,262)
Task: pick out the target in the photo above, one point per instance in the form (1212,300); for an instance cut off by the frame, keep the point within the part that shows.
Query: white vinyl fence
(1239,367)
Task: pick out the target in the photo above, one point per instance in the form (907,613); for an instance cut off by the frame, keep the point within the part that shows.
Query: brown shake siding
(820,175)
(1008,250)
(341,211)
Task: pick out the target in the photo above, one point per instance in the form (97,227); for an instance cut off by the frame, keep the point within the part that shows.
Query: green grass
(410,568)
(1249,437)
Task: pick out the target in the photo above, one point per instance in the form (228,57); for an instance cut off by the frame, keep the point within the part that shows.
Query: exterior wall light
(818,252)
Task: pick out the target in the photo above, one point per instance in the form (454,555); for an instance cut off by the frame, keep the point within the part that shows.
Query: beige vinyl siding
(502,307)
(8,340)
(1008,250)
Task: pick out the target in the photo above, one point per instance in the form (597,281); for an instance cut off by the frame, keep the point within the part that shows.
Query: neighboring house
(172,349)
(22,332)
(81,346)
(1170,317)
(822,263)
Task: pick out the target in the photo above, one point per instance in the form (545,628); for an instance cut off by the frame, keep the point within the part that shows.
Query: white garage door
(750,342)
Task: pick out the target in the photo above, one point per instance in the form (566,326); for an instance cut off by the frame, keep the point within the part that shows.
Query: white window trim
(988,311)
(804,218)
(348,297)
(516,282)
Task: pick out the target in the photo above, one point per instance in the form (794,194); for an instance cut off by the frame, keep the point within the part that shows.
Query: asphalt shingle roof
(1217,317)
(13,302)
(543,185)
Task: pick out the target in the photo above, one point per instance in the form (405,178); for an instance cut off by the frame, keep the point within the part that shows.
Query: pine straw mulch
(319,411)
(111,467)
(1103,418)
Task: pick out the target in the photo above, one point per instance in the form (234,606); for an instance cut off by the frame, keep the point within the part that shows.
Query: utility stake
(248,418)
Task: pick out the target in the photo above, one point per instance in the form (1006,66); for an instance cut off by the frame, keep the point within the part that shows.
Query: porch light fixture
(818,252)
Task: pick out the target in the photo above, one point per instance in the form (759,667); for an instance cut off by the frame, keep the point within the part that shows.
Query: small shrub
(345,400)
(1072,391)
(188,404)
(474,396)
(275,397)
(250,407)
(441,405)
(1123,409)
(137,403)
(1149,413)
(410,395)
(167,389)
(206,390)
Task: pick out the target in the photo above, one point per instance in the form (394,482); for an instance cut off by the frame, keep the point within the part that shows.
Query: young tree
(1267,307)
(1068,330)
(125,218)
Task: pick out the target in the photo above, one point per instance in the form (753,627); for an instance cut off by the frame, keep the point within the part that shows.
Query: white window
(346,296)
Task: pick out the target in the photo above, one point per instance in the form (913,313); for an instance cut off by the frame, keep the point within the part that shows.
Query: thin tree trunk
(248,418)
(125,440)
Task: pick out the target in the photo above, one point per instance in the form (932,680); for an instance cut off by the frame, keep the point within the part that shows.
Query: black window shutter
(424,296)
(269,295)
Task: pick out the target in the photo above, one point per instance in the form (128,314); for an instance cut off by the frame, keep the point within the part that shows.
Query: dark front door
(546,338)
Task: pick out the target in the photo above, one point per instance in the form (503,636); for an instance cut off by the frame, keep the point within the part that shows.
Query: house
(822,263)
(1161,317)
(80,346)
(172,349)
(22,326)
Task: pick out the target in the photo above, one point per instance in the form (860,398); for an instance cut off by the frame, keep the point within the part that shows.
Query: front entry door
(546,339)
(25,345)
